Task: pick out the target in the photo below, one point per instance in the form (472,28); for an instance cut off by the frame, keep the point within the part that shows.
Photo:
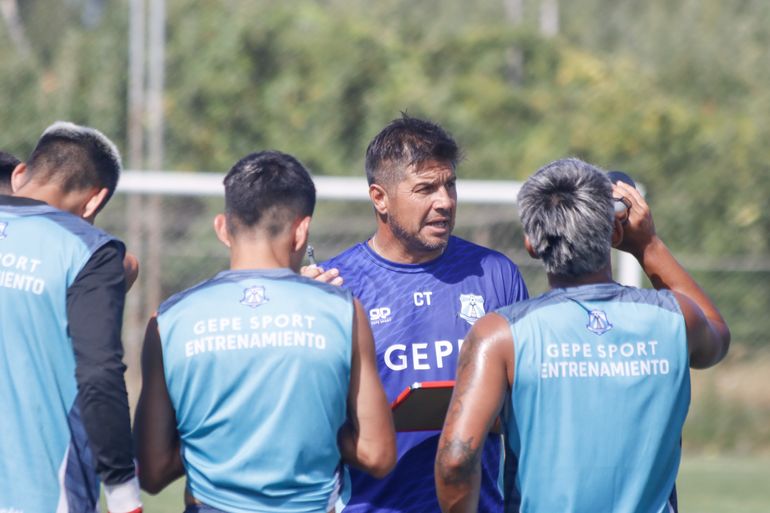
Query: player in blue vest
(592,377)
(259,383)
(9,163)
(422,289)
(62,286)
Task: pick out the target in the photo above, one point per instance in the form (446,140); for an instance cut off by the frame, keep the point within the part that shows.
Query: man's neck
(45,194)
(257,256)
(558,281)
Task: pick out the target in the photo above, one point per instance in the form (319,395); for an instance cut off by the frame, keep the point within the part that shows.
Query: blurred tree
(676,94)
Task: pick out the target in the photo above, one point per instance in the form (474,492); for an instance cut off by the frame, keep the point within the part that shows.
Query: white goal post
(341,188)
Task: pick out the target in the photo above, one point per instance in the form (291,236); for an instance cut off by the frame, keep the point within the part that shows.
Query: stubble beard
(415,243)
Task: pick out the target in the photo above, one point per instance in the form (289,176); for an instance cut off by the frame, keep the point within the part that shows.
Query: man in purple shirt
(422,289)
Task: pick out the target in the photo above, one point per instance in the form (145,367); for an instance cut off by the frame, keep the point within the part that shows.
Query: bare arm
(367,441)
(155,434)
(131,268)
(708,337)
(484,375)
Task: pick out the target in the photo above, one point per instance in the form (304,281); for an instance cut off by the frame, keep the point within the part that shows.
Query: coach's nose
(444,199)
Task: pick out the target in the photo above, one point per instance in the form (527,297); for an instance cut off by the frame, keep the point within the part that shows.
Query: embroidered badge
(471,307)
(598,322)
(254,296)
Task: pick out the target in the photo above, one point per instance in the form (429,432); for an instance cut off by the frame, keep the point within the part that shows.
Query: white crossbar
(345,188)
(181,183)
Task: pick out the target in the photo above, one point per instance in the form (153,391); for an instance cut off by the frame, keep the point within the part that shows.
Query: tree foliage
(675,94)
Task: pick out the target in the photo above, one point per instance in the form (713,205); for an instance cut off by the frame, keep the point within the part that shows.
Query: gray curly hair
(566,209)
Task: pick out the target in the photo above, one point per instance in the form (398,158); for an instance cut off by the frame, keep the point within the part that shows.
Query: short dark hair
(7,164)
(76,157)
(404,142)
(270,189)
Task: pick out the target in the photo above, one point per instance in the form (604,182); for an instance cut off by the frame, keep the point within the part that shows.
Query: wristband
(123,497)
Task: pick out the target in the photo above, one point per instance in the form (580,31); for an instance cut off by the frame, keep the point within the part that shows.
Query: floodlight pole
(134,316)
(147,35)
(155,84)
(549,18)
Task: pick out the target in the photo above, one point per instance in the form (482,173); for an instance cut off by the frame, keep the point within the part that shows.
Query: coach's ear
(379,197)
(530,249)
(220,228)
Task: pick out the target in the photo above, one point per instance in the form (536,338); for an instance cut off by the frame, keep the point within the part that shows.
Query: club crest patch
(471,307)
(254,296)
(598,322)
(3,227)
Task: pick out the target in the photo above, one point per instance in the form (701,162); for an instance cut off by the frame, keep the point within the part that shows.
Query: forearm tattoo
(458,461)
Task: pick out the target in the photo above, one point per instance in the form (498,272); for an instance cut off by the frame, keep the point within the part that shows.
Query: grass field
(706,485)
(724,485)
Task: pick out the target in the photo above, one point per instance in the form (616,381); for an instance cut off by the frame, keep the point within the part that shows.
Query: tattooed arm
(484,375)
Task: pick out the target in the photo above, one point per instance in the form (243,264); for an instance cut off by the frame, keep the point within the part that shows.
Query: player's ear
(379,197)
(530,249)
(220,228)
(93,203)
(301,230)
(617,233)
(18,176)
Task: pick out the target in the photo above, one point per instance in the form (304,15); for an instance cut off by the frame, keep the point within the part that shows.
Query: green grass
(170,500)
(718,484)
(724,484)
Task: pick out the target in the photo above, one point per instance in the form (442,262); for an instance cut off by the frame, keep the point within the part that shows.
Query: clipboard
(422,406)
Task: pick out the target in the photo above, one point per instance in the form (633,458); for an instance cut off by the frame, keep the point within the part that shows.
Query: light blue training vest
(601,391)
(257,365)
(46,463)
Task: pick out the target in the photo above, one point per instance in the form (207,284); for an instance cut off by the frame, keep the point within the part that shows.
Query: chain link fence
(189,251)
(727,401)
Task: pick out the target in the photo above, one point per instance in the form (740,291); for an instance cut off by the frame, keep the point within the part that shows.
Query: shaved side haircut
(75,157)
(268,189)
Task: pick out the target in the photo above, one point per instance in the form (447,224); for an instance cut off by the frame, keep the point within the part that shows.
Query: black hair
(76,157)
(269,189)
(7,164)
(405,142)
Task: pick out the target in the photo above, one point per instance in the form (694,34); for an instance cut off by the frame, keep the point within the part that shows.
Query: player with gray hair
(591,378)
(62,290)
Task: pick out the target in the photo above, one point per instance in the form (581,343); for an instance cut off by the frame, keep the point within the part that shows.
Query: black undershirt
(94,317)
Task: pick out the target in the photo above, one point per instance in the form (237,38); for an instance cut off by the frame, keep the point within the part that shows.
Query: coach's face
(421,208)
